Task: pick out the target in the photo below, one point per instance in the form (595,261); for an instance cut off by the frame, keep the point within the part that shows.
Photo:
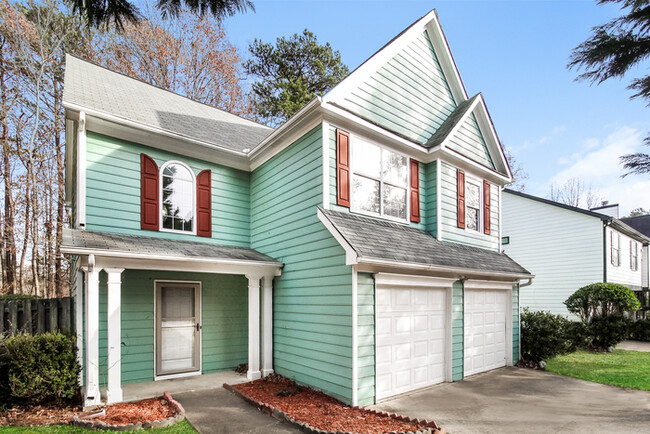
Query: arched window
(178,197)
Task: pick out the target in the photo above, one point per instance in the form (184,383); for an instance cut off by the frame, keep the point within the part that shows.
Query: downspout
(605,225)
(530,282)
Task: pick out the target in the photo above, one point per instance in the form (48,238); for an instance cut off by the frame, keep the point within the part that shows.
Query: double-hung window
(473,205)
(616,249)
(634,255)
(178,197)
(379,181)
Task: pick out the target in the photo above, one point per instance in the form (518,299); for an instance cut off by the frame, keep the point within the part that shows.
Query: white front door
(410,339)
(485,330)
(177,328)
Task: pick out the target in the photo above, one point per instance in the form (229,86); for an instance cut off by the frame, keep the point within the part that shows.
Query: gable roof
(640,223)
(618,224)
(92,88)
(378,239)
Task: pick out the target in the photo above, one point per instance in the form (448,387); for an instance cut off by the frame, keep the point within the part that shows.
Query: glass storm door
(177,328)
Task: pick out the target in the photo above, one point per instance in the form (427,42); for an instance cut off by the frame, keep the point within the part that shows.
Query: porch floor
(136,391)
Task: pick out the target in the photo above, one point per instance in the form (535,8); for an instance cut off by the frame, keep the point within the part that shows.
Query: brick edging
(431,426)
(84,422)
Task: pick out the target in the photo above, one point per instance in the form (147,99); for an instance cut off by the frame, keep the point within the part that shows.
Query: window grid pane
(177,198)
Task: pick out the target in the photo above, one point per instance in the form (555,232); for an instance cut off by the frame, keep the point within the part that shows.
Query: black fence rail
(644,298)
(36,316)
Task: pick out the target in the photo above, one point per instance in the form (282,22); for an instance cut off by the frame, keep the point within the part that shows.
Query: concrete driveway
(515,400)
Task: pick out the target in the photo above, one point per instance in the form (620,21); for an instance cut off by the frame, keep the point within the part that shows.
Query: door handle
(198,327)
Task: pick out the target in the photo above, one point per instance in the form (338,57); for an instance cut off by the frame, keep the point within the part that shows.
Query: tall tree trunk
(23,254)
(60,183)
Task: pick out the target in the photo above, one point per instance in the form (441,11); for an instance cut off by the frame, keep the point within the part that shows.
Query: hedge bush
(640,330)
(545,335)
(608,331)
(39,368)
(602,299)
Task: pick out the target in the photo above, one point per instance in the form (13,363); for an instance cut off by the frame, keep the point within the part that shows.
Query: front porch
(219,306)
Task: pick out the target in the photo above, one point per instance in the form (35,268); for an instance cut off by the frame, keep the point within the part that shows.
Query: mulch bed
(139,411)
(321,411)
(38,416)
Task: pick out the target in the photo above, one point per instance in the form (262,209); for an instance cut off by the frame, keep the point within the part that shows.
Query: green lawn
(621,368)
(180,428)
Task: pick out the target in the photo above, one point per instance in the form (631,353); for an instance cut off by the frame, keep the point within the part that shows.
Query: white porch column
(253,327)
(267,326)
(114,335)
(92,335)
(79,320)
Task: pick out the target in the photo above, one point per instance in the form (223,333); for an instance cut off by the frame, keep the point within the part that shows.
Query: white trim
(267,325)
(156,376)
(326,163)
(471,179)
(79,320)
(449,335)
(392,280)
(378,59)
(69,158)
(114,334)
(254,372)
(509,331)
(355,337)
(160,195)
(492,139)
(81,172)
(438,199)
(459,160)
(350,253)
(489,284)
(499,235)
(92,395)
(459,123)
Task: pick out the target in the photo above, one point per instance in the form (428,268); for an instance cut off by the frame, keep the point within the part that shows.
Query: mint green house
(356,248)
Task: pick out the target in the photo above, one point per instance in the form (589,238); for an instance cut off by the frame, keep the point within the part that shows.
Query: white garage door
(485,330)
(410,336)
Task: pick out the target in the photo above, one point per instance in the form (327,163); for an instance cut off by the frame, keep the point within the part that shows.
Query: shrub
(640,330)
(545,335)
(11,297)
(40,368)
(601,299)
(607,331)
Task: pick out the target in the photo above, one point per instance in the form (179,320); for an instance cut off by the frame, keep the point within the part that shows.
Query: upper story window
(178,197)
(379,181)
(473,205)
(634,255)
(616,249)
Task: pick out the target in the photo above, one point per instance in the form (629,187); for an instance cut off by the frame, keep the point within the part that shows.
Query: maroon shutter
(149,204)
(631,255)
(611,247)
(415,190)
(460,193)
(486,207)
(343,168)
(204,204)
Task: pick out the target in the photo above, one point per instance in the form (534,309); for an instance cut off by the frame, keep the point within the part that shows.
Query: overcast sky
(515,52)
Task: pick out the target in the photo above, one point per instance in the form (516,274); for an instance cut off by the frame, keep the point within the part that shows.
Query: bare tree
(574,193)
(519,175)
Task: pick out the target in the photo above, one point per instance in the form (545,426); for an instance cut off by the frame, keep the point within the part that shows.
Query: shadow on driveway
(516,400)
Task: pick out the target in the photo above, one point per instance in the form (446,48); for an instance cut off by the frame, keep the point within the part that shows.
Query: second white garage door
(410,339)
(485,330)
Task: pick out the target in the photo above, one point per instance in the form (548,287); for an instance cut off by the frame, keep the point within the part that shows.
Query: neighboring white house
(567,247)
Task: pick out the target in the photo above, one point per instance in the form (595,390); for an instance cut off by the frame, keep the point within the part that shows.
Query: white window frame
(634,255)
(160,195)
(481,207)
(353,208)
(617,237)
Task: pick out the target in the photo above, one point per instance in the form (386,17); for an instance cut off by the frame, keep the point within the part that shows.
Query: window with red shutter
(415,190)
(204,204)
(343,168)
(149,202)
(486,207)
(460,193)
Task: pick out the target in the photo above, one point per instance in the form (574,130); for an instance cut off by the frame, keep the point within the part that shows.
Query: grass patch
(621,368)
(182,427)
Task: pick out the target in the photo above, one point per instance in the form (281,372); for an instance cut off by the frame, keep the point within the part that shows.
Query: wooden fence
(37,316)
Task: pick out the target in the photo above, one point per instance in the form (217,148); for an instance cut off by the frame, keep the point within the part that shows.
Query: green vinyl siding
(449,212)
(366,338)
(469,142)
(224,316)
(408,95)
(457,330)
(312,313)
(428,199)
(426,212)
(113,192)
(515,324)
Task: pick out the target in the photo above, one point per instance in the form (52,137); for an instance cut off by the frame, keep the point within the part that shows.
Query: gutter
(605,225)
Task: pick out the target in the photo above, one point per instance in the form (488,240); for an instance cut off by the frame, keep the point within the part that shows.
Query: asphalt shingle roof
(378,239)
(75,240)
(97,88)
(640,223)
(445,129)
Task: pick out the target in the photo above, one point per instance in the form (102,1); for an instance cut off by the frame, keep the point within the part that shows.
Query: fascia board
(488,131)
(459,124)
(462,162)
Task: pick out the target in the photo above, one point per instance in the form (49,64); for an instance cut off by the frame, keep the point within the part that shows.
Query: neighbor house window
(472,205)
(178,196)
(634,255)
(616,249)
(379,181)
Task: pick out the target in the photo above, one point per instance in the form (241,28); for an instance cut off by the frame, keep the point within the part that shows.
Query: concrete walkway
(219,411)
(516,400)
(634,346)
